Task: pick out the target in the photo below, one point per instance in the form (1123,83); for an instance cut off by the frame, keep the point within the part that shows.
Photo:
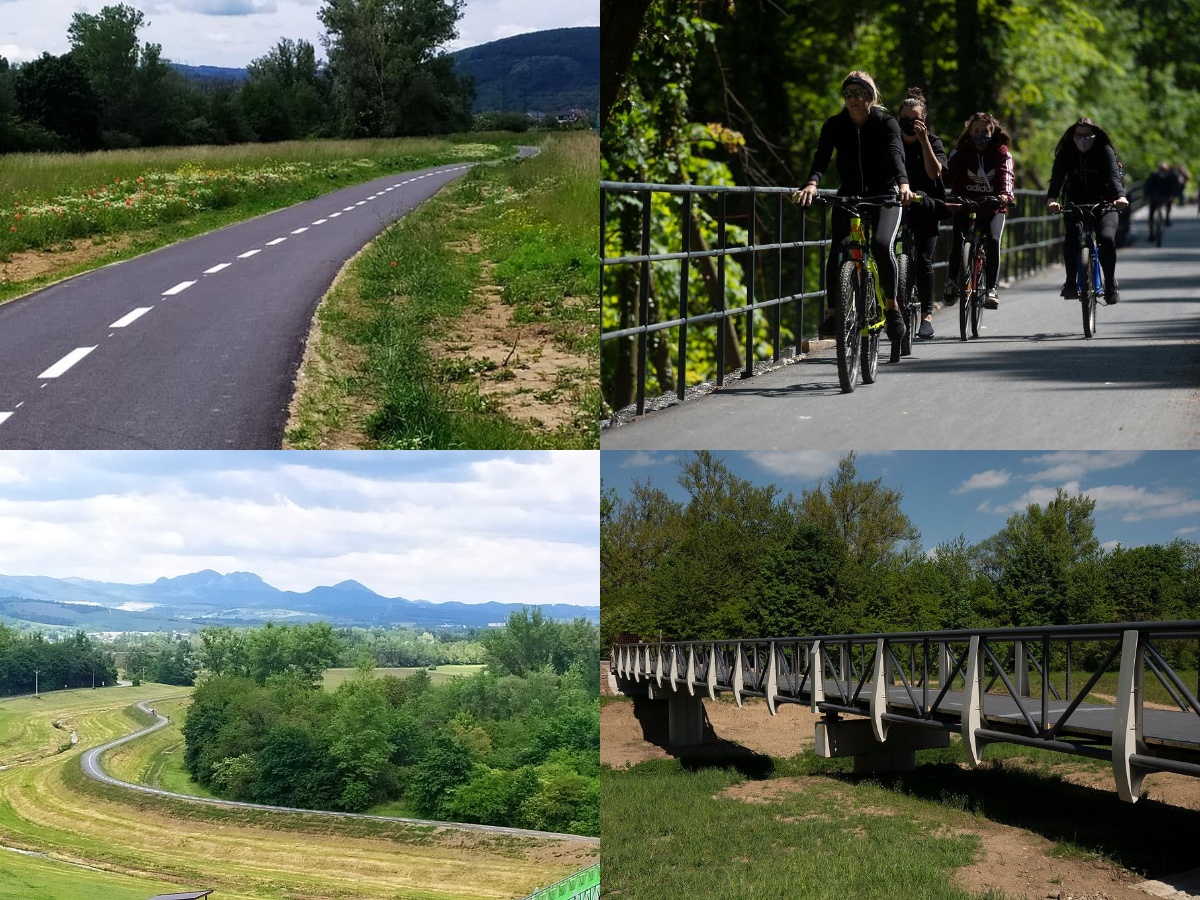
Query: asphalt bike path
(196,345)
(91,767)
(1030,381)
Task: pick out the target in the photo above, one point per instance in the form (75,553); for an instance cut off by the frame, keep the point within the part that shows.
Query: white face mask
(1085,143)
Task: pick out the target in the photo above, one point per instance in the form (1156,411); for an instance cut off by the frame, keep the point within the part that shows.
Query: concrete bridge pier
(836,738)
(681,713)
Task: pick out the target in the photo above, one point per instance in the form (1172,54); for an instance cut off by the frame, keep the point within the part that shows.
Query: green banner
(583,885)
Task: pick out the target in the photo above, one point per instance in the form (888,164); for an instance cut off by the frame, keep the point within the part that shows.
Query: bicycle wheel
(1087,294)
(870,341)
(847,337)
(967,292)
(906,293)
(978,294)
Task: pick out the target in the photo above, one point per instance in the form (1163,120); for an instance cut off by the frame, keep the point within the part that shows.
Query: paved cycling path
(194,346)
(91,767)
(1030,381)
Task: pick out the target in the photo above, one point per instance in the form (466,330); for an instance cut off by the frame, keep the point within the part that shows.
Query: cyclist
(870,161)
(980,166)
(924,160)
(1087,166)
(1161,187)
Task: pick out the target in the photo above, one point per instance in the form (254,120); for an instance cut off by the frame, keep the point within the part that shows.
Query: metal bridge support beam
(674,667)
(1021,669)
(712,672)
(856,738)
(1127,729)
(691,670)
(816,676)
(658,665)
(971,713)
(772,679)
(945,667)
(739,683)
(879,693)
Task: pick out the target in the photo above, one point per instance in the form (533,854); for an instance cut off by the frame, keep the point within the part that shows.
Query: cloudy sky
(1141,498)
(234,32)
(472,527)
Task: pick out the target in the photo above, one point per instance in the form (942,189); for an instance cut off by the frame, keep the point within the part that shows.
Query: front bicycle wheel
(1087,293)
(848,327)
(906,293)
(967,293)
(870,341)
(979,293)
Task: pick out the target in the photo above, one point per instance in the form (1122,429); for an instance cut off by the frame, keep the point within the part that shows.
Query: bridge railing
(738,272)
(1011,685)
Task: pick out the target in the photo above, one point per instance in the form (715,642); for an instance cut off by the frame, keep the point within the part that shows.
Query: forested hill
(211,73)
(546,71)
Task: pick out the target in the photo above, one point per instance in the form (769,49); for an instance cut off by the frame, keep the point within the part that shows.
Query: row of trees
(29,660)
(386,76)
(494,748)
(740,560)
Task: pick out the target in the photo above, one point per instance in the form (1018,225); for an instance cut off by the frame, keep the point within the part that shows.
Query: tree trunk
(708,271)
(620,28)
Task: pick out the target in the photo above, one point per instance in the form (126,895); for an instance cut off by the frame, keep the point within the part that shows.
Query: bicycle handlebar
(1105,205)
(991,201)
(852,202)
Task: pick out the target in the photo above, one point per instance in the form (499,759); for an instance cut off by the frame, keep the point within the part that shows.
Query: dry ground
(1014,861)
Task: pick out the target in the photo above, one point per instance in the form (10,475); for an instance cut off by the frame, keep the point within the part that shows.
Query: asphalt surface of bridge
(194,346)
(1030,381)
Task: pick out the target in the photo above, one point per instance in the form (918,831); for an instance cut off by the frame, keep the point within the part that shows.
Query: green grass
(123,203)
(336,677)
(33,878)
(374,378)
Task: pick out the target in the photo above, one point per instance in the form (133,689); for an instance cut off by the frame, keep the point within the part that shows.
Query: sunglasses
(856,93)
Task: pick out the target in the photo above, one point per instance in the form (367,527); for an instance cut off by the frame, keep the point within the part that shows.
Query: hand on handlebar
(1054,207)
(805,195)
(907,196)
(1121,203)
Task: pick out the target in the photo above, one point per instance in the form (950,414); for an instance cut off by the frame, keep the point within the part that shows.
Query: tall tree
(54,92)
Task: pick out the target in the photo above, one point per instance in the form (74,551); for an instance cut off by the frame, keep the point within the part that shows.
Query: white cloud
(1110,546)
(802,463)
(1040,495)
(1074,464)
(992,478)
(1191,529)
(640,459)
(1140,503)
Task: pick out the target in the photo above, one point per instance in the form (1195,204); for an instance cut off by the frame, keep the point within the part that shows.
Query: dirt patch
(520,367)
(29,264)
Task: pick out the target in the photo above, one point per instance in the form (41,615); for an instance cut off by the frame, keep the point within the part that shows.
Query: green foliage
(70,662)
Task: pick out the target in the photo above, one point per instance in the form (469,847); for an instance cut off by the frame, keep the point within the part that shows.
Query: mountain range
(186,602)
(545,71)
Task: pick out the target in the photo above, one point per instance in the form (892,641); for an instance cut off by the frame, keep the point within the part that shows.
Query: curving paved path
(193,346)
(91,767)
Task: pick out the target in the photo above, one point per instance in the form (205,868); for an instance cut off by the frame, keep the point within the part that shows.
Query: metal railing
(584,885)
(1005,685)
(780,251)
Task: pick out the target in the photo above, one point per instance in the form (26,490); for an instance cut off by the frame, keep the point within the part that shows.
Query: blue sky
(466,526)
(234,32)
(1141,498)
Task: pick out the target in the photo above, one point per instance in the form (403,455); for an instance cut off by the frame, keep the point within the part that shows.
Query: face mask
(981,141)
(1085,143)
(908,126)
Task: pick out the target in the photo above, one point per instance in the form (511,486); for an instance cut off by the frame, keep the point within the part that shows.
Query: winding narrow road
(193,346)
(92,768)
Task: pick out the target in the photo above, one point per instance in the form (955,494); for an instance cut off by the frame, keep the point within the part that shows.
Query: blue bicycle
(1089,279)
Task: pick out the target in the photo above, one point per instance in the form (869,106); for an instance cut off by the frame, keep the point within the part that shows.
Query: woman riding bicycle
(1086,165)
(870,162)
(924,160)
(981,166)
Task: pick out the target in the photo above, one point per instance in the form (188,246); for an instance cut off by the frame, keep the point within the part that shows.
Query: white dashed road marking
(320,221)
(130,318)
(360,202)
(347,208)
(300,230)
(217,268)
(249,253)
(178,289)
(66,362)
(4,415)
(334,215)
(276,241)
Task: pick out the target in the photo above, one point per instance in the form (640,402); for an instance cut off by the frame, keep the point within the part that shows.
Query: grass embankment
(336,677)
(47,805)
(759,827)
(472,322)
(61,214)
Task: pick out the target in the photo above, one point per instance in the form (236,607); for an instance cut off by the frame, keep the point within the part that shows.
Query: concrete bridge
(885,696)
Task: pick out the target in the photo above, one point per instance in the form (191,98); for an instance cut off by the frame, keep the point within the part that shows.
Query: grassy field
(61,214)
(144,845)
(335,677)
(469,323)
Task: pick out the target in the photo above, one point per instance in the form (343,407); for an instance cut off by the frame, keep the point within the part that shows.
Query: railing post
(751,271)
(802,259)
(644,306)
(778,317)
(738,682)
(681,366)
(1020,668)
(712,673)
(674,667)
(972,709)
(722,211)
(944,667)
(691,670)
(1127,728)
(772,685)
(658,667)
(879,692)
(816,676)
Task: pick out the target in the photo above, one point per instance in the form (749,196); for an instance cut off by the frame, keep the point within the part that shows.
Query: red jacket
(972,174)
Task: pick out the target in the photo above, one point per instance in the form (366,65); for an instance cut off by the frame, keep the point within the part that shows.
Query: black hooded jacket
(1088,177)
(870,159)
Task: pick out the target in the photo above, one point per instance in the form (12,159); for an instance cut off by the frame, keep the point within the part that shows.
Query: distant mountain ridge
(208,597)
(541,71)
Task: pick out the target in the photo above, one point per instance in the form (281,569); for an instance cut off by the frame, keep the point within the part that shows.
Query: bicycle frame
(858,249)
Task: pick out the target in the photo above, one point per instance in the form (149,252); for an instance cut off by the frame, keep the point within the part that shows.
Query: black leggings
(886,221)
(991,224)
(1106,244)
(924,226)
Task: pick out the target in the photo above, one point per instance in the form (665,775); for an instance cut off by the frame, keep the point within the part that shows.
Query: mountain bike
(1089,279)
(972,271)
(858,295)
(1157,217)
